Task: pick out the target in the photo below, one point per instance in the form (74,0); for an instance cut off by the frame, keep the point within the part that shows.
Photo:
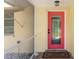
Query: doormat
(56,54)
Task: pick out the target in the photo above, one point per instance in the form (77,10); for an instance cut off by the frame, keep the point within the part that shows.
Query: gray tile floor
(17,56)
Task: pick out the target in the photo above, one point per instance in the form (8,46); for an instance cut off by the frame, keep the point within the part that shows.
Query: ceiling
(41,2)
(25,3)
(46,2)
(18,3)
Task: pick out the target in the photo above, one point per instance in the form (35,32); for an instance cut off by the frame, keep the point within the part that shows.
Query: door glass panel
(56,30)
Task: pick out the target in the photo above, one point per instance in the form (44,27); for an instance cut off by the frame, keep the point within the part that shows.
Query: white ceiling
(25,3)
(18,3)
(46,2)
(41,2)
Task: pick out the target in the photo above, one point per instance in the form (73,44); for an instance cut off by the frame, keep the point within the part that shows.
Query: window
(56,31)
(8,22)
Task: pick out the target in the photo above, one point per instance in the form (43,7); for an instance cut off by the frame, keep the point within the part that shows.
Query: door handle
(48,31)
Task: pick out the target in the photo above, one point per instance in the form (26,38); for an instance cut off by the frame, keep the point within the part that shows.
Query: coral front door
(56,30)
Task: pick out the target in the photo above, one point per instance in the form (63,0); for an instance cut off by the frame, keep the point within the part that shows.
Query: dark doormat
(56,54)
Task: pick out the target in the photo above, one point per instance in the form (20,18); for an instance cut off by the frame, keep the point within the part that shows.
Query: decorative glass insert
(56,30)
(8,22)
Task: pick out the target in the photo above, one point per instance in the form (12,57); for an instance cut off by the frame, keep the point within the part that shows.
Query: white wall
(26,18)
